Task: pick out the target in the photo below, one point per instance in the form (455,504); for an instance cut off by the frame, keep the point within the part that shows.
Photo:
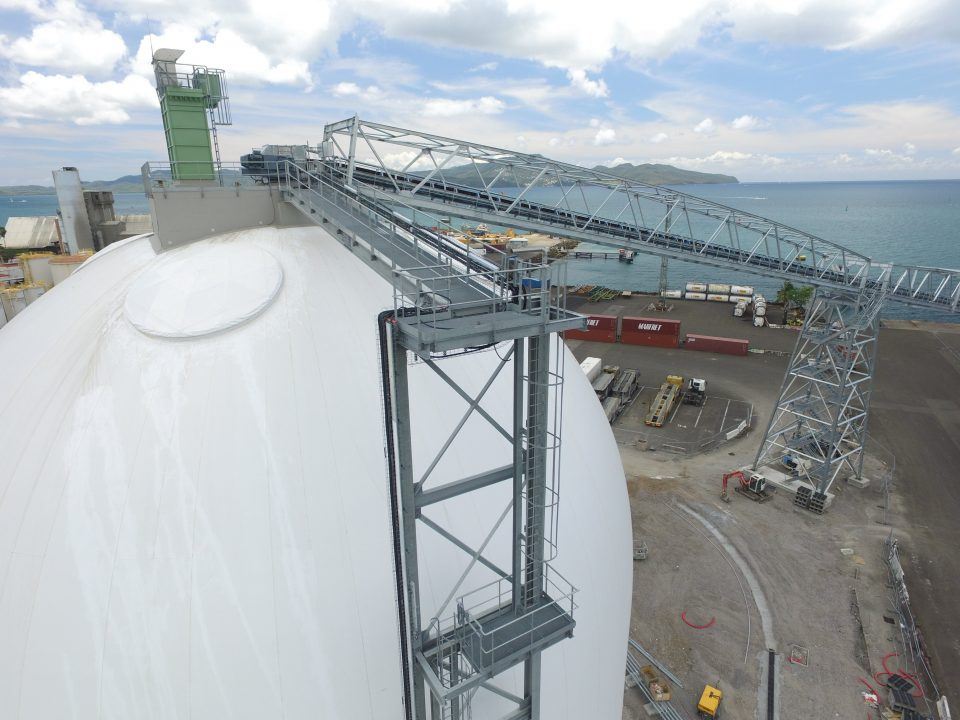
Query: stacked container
(708,343)
(714,297)
(600,328)
(742,290)
(694,295)
(759,306)
(655,332)
(693,287)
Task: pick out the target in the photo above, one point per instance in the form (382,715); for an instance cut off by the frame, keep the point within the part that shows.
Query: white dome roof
(199,527)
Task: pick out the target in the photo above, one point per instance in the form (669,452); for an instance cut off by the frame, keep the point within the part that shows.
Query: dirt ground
(820,581)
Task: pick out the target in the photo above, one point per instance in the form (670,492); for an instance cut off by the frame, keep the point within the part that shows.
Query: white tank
(62,266)
(36,268)
(738,310)
(32,291)
(673,294)
(714,297)
(73,211)
(741,290)
(696,287)
(718,289)
(13,301)
(195,512)
(758,320)
(759,310)
(695,296)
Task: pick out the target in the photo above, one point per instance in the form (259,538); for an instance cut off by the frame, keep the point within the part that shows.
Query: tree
(793,297)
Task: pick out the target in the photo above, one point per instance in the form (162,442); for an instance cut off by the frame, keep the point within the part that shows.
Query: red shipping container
(655,332)
(600,328)
(650,339)
(708,343)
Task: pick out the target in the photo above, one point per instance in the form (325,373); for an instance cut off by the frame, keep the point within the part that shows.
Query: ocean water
(910,222)
(34,205)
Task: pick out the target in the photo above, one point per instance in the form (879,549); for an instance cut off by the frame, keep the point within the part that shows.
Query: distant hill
(657,174)
(125,184)
(652,174)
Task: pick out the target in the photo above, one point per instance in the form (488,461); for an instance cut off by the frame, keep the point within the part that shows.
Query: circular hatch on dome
(203,289)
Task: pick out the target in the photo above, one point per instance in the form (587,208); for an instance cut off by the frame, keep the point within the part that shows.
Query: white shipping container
(718,289)
(714,297)
(758,321)
(695,296)
(591,367)
(738,310)
(741,290)
(697,287)
(673,294)
(759,310)
(739,300)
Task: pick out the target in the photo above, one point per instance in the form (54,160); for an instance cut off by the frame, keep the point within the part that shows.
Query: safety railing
(468,633)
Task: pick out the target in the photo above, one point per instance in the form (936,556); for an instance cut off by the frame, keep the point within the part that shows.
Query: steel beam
(459,487)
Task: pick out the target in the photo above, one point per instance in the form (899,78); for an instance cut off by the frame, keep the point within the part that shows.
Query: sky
(767,90)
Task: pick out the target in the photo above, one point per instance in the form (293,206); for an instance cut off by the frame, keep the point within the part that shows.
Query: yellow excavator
(709,705)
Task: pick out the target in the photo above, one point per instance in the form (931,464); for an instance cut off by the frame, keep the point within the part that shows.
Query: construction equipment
(709,705)
(754,487)
(663,403)
(696,392)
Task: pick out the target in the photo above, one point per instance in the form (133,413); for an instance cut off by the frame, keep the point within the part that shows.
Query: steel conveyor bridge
(820,418)
(603,209)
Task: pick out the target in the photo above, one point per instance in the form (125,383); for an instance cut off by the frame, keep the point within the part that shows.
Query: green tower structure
(193,102)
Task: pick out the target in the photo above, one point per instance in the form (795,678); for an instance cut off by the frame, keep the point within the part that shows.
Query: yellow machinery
(709,705)
(663,403)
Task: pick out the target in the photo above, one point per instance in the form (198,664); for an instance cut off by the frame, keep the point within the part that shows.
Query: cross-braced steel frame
(479,633)
(595,206)
(820,417)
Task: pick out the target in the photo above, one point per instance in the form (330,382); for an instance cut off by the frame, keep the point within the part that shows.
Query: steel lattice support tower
(820,417)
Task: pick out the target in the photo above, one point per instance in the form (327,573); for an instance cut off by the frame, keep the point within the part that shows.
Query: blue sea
(911,222)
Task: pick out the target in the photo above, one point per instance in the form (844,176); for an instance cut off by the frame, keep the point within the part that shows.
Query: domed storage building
(194,506)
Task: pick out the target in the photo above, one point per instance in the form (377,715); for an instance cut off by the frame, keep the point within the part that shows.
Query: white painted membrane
(200,529)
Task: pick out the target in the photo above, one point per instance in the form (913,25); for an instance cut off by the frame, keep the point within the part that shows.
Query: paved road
(916,414)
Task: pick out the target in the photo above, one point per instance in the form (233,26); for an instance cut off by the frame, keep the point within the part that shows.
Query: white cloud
(886,155)
(704,127)
(594,88)
(616,161)
(555,141)
(909,148)
(244,61)
(956,151)
(446,107)
(68,38)
(484,67)
(349,89)
(843,159)
(659,137)
(605,136)
(726,158)
(75,99)
(745,122)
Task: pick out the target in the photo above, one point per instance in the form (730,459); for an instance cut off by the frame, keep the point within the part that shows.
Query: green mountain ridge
(649,173)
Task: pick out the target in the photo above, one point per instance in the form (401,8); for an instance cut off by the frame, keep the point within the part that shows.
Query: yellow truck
(664,401)
(709,705)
